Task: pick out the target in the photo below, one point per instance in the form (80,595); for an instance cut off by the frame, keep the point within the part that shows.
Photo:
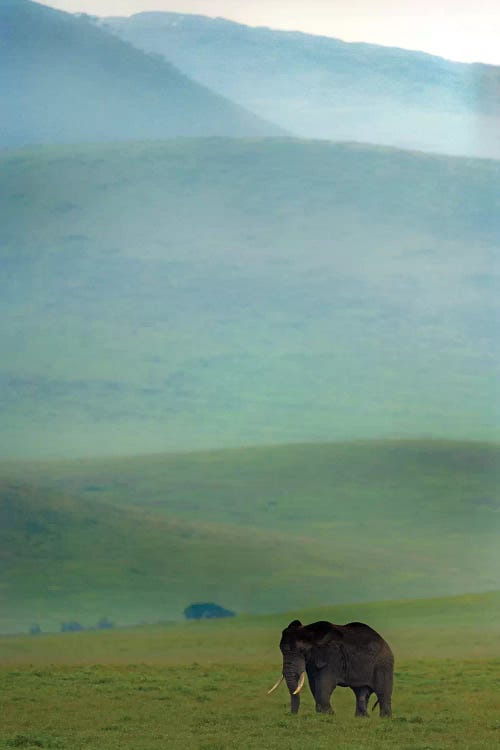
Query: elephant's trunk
(293,674)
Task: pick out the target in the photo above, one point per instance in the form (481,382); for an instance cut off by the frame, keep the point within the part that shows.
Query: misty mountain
(318,87)
(220,292)
(65,80)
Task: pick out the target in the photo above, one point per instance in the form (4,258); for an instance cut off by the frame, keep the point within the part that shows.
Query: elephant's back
(361,634)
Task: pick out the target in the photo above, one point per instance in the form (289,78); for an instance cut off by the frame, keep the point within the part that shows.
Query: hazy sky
(467,30)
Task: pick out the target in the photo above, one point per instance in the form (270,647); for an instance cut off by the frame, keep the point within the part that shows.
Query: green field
(204,684)
(257,530)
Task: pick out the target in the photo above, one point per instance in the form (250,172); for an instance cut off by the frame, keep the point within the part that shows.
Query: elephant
(351,655)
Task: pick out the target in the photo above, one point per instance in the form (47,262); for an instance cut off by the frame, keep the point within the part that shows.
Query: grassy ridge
(303,486)
(140,538)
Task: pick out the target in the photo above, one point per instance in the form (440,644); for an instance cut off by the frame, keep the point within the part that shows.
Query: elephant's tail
(375,705)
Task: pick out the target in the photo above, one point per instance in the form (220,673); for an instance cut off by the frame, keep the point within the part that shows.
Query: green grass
(256,530)
(216,292)
(204,684)
(437,705)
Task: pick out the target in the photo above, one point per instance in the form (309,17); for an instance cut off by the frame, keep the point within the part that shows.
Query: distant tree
(206,610)
(71,627)
(105,624)
(35,629)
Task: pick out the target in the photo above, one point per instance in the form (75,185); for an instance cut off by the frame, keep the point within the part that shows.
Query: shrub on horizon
(71,627)
(105,624)
(206,610)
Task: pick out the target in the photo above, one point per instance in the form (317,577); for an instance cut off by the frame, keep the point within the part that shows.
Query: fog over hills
(221,292)
(319,87)
(65,80)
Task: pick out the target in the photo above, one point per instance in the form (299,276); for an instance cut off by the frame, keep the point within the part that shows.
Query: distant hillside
(325,88)
(311,525)
(65,80)
(205,293)
(444,485)
(64,559)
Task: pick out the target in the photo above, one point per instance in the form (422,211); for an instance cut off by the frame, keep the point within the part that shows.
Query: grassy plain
(203,685)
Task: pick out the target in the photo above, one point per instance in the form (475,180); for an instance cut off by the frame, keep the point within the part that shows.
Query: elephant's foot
(362,714)
(320,709)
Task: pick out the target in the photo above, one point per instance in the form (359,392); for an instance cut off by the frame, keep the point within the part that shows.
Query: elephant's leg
(325,685)
(384,702)
(312,676)
(362,696)
(314,685)
(385,705)
(383,690)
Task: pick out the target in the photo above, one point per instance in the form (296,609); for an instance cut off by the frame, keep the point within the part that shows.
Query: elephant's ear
(319,655)
(325,635)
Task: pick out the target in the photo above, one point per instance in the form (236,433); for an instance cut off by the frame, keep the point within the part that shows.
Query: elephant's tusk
(275,686)
(301,684)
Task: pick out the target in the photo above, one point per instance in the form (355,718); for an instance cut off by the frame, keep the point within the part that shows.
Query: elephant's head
(300,645)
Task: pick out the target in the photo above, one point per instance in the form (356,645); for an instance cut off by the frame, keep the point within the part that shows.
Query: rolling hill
(222,292)
(320,87)
(64,559)
(258,530)
(66,81)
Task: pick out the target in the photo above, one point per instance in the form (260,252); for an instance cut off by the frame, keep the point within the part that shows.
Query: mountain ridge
(221,20)
(324,87)
(65,80)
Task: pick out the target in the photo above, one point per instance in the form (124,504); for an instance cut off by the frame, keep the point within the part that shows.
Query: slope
(65,80)
(219,292)
(64,559)
(324,88)
(259,529)
(302,488)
